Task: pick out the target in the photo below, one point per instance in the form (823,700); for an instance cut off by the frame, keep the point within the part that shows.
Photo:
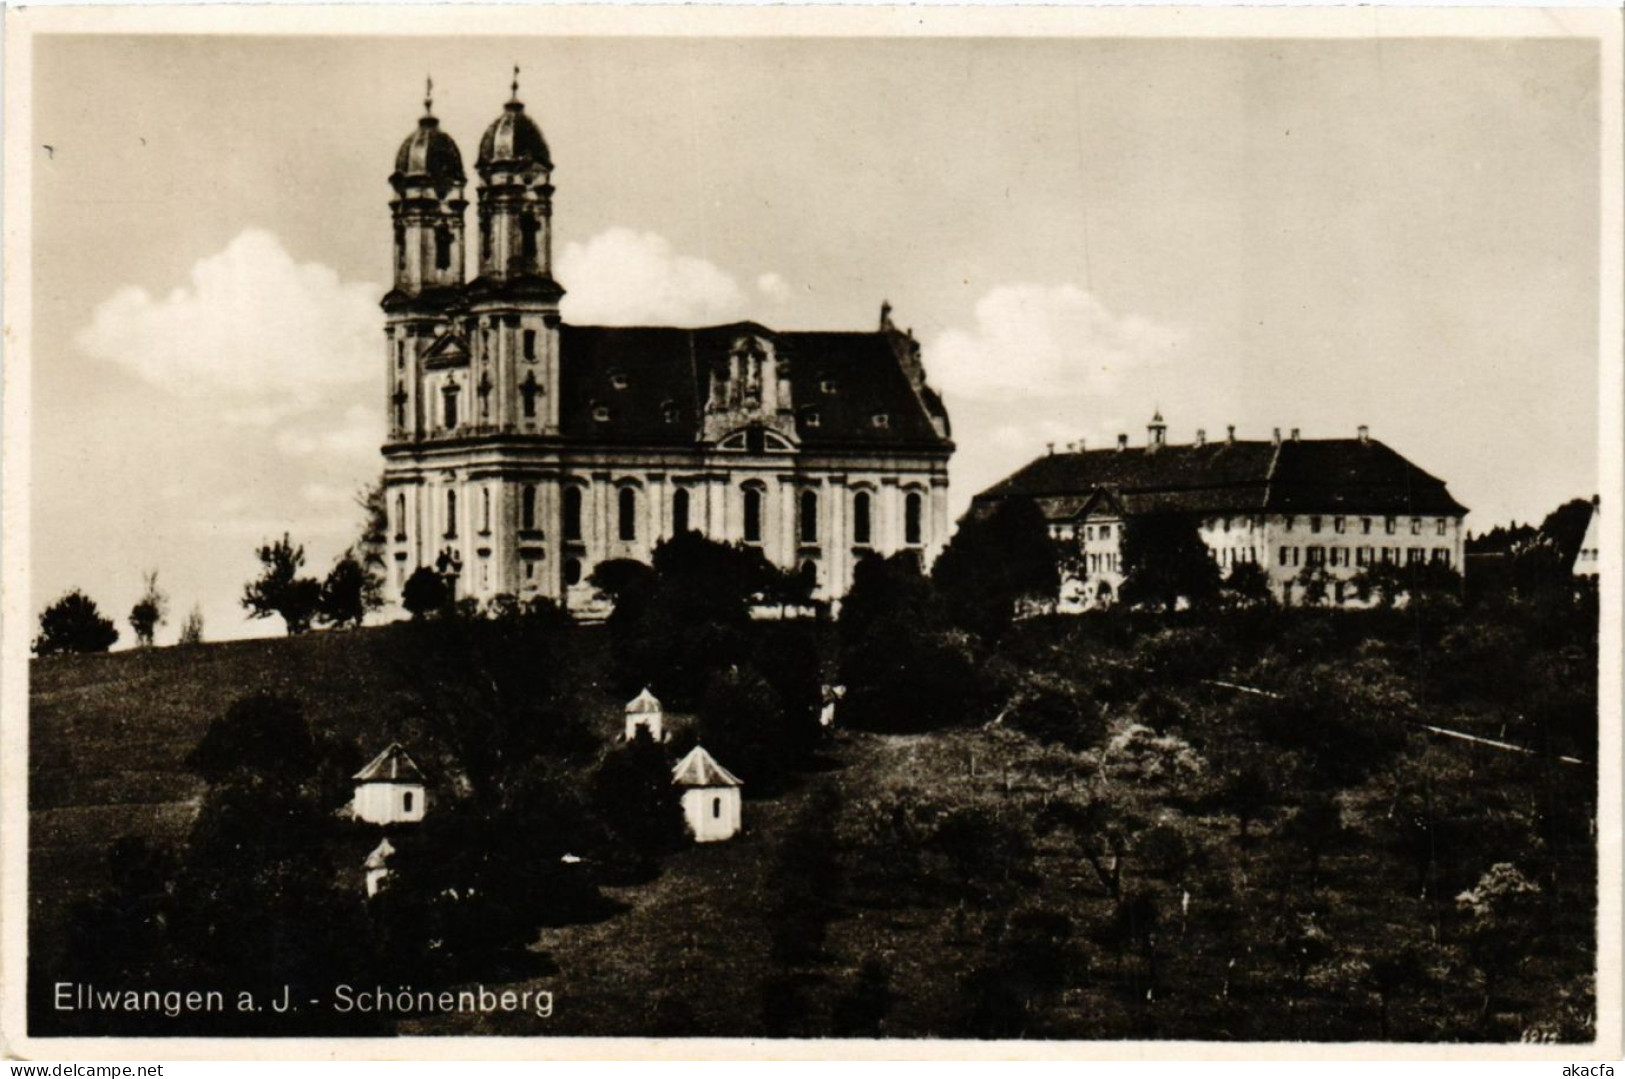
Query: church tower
(514,302)
(427,256)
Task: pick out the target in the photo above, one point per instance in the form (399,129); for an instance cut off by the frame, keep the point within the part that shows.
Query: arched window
(753,515)
(860,519)
(451,514)
(809,517)
(527,392)
(527,508)
(572,513)
(716,808)
(400,516)
(406,801)
(485,509)
(628,515)
(912,508)
(400,248)
(679,511)
(400,406)
(442,247)
(572,571)
(485,237)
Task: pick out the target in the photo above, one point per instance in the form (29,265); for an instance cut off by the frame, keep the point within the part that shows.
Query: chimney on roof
(1083,444)
(1365,434)
(1294,434)
(1201,436)
(1276,437)
(1049,449)
(1122,443)
(1156,432)
(1230,434)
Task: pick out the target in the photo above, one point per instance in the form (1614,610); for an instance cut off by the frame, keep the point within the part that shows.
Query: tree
(351,589)
(372,545)
(1501,914)
(1165,561)
(263,735)
(192,627)
(633,794)
(743,723)
(994,562)
(149,611)
(425,593)
(279,589)
(73,624)
(1247,585)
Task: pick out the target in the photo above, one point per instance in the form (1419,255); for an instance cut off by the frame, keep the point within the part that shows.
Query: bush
(73,624)
(425,593)
(1057,712)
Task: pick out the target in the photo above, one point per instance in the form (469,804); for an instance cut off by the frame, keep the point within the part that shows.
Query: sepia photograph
(937,527)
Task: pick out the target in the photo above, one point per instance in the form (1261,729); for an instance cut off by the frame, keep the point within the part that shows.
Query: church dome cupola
(429,157)
(513,142)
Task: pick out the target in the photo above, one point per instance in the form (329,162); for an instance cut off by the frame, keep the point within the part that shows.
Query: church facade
(522,451)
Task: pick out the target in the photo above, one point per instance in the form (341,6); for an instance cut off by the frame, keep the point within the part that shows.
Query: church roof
(513,141)
(652,384)
(700,769)
(393,765)
(643,704)
(428,155)
(1294,476)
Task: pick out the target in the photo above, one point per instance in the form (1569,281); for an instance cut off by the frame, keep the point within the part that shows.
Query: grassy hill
(956,866)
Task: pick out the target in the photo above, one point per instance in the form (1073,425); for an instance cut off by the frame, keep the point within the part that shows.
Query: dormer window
(829,387)
(880,420)
(618,380)
(600,413)
(811,418)
(668,411)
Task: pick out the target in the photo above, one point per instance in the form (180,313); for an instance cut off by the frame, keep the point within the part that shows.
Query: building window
(406,801)
(600,413)
(880,420)
(485,511)
(448,398)
(442,248)
(1388,525)
(1337,524)
(400,355)
(529,339)
(912,507)
(1414,556)
(527,393)
(860,519)
(829,387)
(572,571)
(451,514)
(668,411)
(527,508)
(1441,555)
(1317,556)
(1365,526)
(716,808)
(400,516)
(679,511)
(400,406)
(1416,526)
(1443,525)
(1362,556)
(1105,531)
(528,227)
(809,517)
(1314,524)
(572,513)
(485,236)
(618,380)
(400,248)
(628,515)
(753,515)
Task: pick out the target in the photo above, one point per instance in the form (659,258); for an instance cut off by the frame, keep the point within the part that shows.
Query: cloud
(623,277)
(773,287)
(253,330)
(1047,339)
(358,434)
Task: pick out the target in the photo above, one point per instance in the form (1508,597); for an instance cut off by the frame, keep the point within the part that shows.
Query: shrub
(73,624)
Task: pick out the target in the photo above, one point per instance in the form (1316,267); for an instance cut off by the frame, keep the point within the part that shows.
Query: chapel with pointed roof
(522,451)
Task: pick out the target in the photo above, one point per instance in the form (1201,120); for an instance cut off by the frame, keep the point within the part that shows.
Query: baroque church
(523,450)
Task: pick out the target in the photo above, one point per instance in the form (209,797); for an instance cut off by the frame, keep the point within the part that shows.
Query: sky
(1268,233)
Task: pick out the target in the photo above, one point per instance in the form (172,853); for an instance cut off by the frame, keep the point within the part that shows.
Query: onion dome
(513,141)
(428,156)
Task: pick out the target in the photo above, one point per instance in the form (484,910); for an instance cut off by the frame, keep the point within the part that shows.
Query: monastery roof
(639,372)
(700,769)
(1294,476)
(393,765)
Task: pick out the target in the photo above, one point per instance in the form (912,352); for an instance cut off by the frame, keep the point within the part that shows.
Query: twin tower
(435,318)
